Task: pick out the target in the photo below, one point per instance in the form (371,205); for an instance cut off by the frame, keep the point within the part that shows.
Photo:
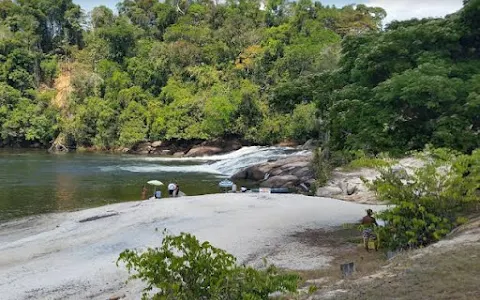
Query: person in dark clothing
(368,233)
(177,190)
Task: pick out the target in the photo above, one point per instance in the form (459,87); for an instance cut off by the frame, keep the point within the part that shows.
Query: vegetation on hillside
(261,71)
(186,70)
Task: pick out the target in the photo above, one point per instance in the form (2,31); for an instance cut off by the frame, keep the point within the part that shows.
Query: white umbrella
(155,182)
(225,184)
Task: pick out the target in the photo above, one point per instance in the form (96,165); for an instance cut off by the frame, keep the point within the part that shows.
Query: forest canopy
(260,71)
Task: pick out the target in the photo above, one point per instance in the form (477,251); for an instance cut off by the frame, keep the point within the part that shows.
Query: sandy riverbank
(72,255)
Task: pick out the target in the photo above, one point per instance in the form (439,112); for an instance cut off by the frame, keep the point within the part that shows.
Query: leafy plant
(184,268)
(432,201)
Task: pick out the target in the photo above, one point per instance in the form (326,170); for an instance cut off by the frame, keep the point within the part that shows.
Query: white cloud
(408,9)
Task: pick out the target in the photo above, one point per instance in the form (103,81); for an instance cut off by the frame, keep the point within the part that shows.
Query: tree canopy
(264,71)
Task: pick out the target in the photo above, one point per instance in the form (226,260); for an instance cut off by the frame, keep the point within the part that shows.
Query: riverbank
(446,270)
(72,255)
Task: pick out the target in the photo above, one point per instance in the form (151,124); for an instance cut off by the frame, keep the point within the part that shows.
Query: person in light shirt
(171,188)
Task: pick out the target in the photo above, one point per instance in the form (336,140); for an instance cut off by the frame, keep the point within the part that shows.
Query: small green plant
(183,269)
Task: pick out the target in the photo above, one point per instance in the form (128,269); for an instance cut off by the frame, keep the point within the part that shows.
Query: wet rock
(203,151)
(289,172)
(178,154)
(289,181)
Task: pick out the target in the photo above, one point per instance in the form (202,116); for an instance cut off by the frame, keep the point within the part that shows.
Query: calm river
(34,182)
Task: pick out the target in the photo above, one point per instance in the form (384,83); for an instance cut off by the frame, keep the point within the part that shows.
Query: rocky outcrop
(348,184)
(291,172)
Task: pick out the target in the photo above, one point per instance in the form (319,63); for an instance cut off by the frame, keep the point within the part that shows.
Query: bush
(303,125)
(321,166)
(184,268)
(362,160)
(431,202)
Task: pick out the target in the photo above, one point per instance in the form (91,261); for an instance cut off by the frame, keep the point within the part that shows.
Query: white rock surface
(58,257)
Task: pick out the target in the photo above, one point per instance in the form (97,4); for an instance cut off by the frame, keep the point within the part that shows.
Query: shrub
(303,125)
(362,160)
(184,268)
(321,166)
(431,202)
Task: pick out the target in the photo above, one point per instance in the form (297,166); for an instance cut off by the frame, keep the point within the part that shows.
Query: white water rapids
(224,164)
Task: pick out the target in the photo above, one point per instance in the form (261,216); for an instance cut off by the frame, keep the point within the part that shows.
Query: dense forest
(260,71)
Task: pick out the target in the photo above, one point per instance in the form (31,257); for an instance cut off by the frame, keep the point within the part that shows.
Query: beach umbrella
(155,182)
(225,184)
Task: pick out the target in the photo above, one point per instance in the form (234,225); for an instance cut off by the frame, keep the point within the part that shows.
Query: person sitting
(171,189)
(158,194)
(368,223)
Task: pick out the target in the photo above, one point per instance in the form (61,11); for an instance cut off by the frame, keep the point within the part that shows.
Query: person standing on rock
(144,193)
(369,223)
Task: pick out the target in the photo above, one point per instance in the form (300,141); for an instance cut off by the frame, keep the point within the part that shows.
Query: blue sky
(396,9)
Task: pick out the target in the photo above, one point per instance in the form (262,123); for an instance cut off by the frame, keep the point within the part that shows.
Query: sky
(396,9)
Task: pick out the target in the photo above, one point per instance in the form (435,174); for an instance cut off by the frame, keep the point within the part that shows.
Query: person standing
(144,193)
(171,189)
(369,223)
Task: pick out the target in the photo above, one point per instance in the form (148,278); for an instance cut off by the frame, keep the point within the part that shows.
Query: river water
(34,182)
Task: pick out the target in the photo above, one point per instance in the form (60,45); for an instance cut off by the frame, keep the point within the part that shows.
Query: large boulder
(142,148)
(203,151)
(292,171)
(157,144)
(226,145)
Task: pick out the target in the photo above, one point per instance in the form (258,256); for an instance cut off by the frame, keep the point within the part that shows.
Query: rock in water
(203,151)
(289,172)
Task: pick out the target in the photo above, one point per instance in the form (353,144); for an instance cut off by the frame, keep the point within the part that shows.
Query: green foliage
(362,160)
(399,90)
(264,72)
(49,70)
(304,124)
(208,71)
(184,268)
(431,202)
